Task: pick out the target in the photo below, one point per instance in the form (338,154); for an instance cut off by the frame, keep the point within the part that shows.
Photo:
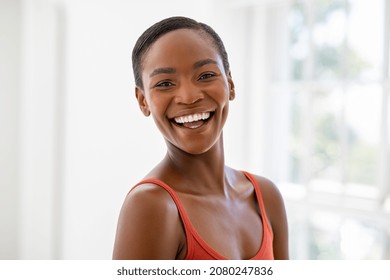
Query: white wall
(10,48)
(40,132)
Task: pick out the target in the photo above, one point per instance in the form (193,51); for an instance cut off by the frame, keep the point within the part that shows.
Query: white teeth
(192,118)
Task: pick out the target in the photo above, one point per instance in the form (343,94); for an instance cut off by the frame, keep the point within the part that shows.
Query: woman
(191,205)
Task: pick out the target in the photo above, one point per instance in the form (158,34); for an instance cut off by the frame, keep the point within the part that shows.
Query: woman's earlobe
(232,92)
(143,105)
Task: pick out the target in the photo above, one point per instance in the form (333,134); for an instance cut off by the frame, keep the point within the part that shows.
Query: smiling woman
(191,205)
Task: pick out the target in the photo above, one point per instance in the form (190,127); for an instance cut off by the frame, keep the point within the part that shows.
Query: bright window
(338,143)
(324,120)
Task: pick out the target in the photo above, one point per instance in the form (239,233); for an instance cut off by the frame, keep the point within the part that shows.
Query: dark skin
(183,75)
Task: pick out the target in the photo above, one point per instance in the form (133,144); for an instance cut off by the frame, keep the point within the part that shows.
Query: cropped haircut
(157,30)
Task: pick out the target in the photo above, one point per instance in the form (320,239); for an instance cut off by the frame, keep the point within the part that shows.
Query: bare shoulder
(270,193)
(147,201)
(148,197)
(276,213)
(149,225)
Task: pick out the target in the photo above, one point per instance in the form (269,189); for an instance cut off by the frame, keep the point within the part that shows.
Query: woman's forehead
(181,44)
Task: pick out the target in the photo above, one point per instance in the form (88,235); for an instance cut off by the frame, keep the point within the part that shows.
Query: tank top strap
(183,214)
(260,201)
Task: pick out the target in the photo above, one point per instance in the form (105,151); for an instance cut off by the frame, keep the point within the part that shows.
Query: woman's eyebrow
(203,62)
(170,70)
(163,70)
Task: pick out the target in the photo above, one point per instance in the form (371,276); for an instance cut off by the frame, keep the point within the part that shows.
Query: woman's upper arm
(148,227)
(277,216)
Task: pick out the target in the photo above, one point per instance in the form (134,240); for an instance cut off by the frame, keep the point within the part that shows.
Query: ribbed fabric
(197,248)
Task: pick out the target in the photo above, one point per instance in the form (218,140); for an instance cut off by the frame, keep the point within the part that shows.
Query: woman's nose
(188,93)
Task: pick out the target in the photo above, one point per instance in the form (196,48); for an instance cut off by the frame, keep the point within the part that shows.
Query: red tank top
(197,248)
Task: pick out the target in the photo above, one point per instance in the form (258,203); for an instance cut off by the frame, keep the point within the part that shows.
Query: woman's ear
(232,91)
(143,105)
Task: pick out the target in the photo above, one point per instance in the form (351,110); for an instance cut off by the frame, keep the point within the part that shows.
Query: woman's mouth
(193,120)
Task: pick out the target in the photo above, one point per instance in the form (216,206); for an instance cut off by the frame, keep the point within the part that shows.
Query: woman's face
(186,90)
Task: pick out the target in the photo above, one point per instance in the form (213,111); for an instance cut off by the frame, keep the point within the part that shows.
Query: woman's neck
(206,170)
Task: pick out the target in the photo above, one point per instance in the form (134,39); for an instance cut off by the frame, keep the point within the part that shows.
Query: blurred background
(312,113)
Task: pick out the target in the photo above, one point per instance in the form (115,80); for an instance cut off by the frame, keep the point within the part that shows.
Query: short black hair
(150,36)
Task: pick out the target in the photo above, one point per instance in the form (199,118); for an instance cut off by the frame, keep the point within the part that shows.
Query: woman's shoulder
(276,213)
(149,225)
(272,198)
(268,188)
(269,191)
(148,198)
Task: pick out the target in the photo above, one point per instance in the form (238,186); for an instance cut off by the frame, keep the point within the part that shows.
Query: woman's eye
(206,76)
(164,84)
